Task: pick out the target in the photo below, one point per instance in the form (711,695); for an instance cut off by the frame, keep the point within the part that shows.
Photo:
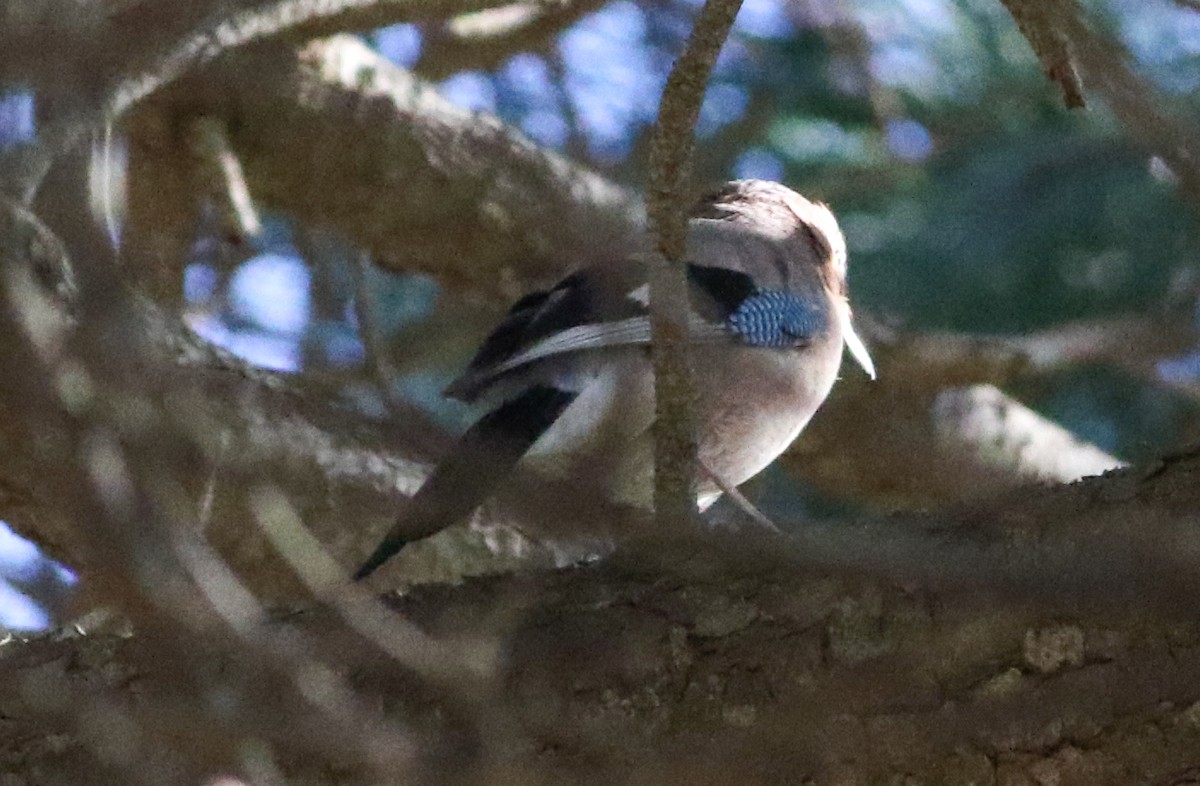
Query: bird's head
(808,228)
(776,210)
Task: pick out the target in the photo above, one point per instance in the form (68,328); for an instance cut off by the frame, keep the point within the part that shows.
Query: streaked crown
(777,208)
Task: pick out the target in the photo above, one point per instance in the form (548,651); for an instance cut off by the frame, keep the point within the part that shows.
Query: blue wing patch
(776,318)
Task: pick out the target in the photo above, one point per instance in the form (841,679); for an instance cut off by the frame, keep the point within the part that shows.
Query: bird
(568,375)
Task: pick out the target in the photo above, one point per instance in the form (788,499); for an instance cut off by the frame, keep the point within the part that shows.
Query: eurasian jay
(568,369)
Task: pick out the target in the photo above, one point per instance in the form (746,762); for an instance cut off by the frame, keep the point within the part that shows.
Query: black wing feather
(579,299)
(509,336)
(588,299)
(484,456)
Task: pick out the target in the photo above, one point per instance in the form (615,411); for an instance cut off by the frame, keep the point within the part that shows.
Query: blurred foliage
(971,198)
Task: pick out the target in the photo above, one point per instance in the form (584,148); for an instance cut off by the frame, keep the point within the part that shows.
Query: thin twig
(1138,104)
(370,333)
(224,178)
(1043,24)
(670,164)
(1074,53)
(210,485)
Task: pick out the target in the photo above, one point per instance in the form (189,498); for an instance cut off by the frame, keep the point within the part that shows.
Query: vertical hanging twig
(670,165)
(221,176)
(366,310)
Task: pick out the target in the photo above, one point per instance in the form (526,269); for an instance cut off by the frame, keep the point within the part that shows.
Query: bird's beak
(857,348)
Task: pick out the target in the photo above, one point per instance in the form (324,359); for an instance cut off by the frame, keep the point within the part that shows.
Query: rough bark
(338,136)
(749,662)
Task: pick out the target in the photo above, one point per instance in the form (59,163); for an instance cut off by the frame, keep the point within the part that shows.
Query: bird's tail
(484,456)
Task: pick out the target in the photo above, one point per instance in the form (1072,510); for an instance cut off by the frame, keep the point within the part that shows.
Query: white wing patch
(624,332)
(641,295)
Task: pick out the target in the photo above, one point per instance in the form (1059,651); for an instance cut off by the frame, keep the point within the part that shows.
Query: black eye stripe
(727,288)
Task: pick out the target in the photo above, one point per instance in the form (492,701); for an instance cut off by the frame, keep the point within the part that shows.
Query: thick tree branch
(175,52)
(992,430)
(1050,642)
(863,442)
(424,185)
(110,36)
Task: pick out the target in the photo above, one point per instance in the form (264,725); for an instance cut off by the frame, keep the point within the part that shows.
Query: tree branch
(1004,435)
(224,180)
(484,40)
(425,186)
(861,445)
(181,52)
(1047,643)
(1074,54)
(675,463)
(1042,25)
